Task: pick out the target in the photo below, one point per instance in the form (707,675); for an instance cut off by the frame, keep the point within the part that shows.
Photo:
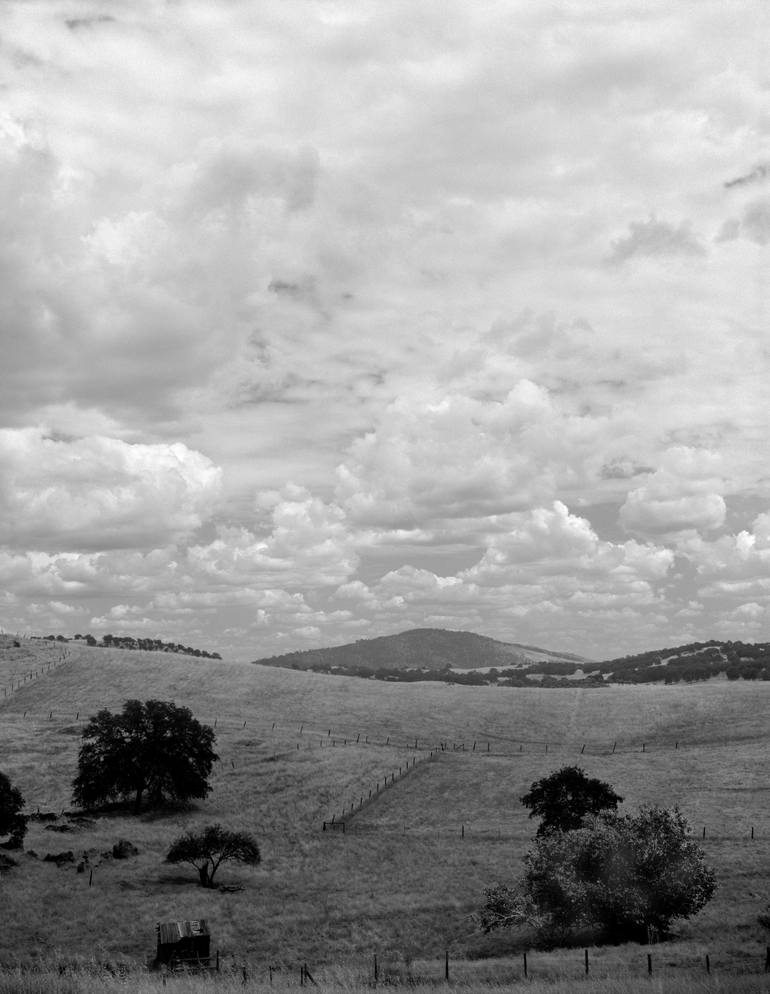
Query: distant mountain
(421,650)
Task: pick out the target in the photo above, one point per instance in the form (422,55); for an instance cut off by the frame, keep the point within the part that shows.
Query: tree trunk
(203,873)
(138,802)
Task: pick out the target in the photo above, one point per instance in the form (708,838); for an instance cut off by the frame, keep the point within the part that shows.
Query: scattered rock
(80,821)
(123,849)
(6,863)
(60,858)
(59,828)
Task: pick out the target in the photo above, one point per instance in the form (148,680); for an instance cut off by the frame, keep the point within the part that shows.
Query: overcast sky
(325,319)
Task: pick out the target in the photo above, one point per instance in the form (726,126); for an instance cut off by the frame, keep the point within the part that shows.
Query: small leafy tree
(208,849)
(621,875)
(152,750)
(12,822)
(564,799)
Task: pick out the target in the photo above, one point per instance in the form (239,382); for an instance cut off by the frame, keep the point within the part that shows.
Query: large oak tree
(566,797)
(151,751)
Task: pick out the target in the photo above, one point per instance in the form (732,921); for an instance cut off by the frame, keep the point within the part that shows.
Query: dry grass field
(405,878)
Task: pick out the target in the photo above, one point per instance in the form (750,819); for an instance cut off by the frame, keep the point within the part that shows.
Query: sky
(323,320)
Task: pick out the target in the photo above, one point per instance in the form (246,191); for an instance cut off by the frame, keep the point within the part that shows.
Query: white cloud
(679,495)
(364,247)
(648,515)
(99,492)
(308,544)
(656,239)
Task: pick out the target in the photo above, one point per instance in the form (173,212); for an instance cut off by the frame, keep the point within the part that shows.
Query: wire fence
(308,735)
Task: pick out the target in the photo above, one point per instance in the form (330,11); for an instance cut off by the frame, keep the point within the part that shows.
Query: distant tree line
(692,662)
(684,664)
(129,642)
(520,676)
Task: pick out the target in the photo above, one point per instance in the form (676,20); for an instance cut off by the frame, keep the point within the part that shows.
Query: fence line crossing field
(406,877)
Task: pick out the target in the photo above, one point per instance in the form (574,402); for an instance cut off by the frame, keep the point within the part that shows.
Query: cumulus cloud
(654,238)
(308,544)
(458,456)
(100,492)
(682,493)
(646,514)
(548,541)
(364,248)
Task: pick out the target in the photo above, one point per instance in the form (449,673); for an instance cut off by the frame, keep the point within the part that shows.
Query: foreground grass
(95,980)
(407,876)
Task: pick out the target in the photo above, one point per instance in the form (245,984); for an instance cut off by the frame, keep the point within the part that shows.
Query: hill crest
(431,649)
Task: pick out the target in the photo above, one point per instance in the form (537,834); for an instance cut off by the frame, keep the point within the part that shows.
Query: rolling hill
(405,878)
(421,649)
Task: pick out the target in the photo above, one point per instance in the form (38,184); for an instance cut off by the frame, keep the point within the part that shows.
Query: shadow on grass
(126,809)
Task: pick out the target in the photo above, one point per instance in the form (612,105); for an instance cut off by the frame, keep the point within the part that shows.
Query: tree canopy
(621,875)
(208,849)
(12,822)
(153,750)
(564,798)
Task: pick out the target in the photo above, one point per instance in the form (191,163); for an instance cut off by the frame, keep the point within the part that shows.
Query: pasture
(407,875)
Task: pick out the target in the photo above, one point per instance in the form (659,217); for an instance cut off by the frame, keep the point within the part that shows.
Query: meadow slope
(406,877)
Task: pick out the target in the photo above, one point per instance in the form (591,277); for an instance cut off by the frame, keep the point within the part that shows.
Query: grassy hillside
(420,648)
(408,873)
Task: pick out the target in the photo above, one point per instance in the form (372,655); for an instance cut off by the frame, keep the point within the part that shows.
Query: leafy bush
(12,822)
(621,876)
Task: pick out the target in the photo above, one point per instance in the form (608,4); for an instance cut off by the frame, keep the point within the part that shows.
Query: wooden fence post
(526,974)
(586,958)
(649,964)
(446,966)
(708,964)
